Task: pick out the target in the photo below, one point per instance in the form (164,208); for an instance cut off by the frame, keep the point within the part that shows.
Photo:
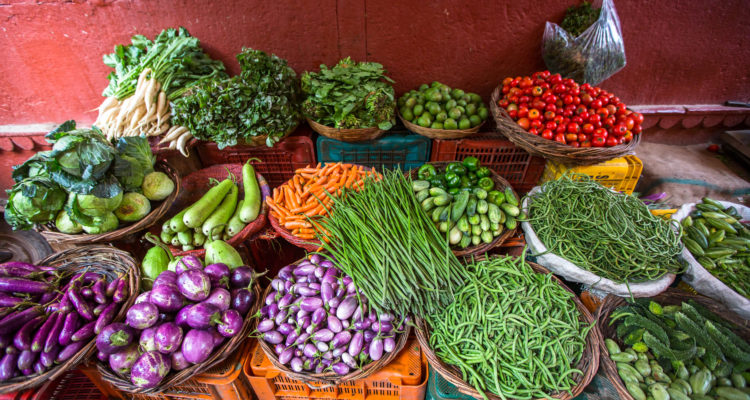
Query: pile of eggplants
(48,315)
(317,320)
(181,321)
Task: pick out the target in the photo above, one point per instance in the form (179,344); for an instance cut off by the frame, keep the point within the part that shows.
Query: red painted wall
(678,52)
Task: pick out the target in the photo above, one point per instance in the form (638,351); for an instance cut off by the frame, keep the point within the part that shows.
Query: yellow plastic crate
(621,173)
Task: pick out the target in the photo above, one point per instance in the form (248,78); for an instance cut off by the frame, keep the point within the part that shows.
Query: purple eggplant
(143,297)
(105,318)
(115,337)
(266,325)
(241,277)
(121,292)
(87,293)
(355,345)
(284,328)
(309,350)
(142,315)
(17,319)
(218,339)
(218,274)
(272,298)
(326,292)
(39,368)
(347,308)
(166,298)
(323,335)
(287,355)
(273,311)
(48,357)
(279,348)
(122,361)
(194,285)
(7,300)
(285,273)
(369,335)
(26,359)
(188,263)
(84,332)
(168,337)
(242,300)
(54,334)
(147,340)
(69,351)
(334,324)
(79,303)
(178,361)
(203,315)
(167,276)
(103,357)
(273,337)
(296,364)
(341,339)
(340,368)
(21,285)
(389,344)
(23,338)
(376,349)
(219,297)
(362,324)
(181,318)
(322,347)
(8,365)
(20,266)
(37,344)
(277,285)
(111,287)
(334,303)
(306,290)
(304,268)
(283,302)
(231,323)
(149,369)
(197,345)
(311,303)
(99,309)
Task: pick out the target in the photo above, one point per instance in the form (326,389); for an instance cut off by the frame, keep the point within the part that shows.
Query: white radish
(182,142)
(161,102)
(173,133)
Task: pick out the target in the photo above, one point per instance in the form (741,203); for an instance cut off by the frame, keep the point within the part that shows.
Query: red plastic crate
(278,163)
(73,385)
(512,163)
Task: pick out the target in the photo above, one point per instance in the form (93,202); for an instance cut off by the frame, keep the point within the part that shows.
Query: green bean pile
(381,237)
(511,331)
(610,234)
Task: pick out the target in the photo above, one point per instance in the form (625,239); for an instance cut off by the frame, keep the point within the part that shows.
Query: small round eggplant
(218,274)
(197,345)
(148,339)
(150,368)
(168,337)
(194,284)
(114,337)
(142,315)
(122,361)
(203,315)
(231,323)
(167,298)
(241,277)
(219,297)
(178,361)
(242,300)
(187,263)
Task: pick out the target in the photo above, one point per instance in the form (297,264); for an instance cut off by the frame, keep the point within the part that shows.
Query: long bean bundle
(610,234)
(511,331)
(383,240)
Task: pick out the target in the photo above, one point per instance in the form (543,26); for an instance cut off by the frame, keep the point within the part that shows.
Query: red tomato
(621,109)
(515,81)
(533,113)
(560,138)
(637,117)
(526,82)
(586,99)
(507,81)
(534,131)
(637,129)
(559,104)
(585,86)
(580,110)
(601,132)
(602,112)
(513,114)
(571,137)
(612,141)
(558,119)
(584,115)
(629,123)
(615,99)
(551,125)
(574,144)
(586,144)
(620,129)
(577,119)
(587,129)
(503,103)
(548,115)
(568,113)
(506,89)
(523,111)
(524,123)
(527,91)
(524,99)
(537,124)
(550,107)
(627,137)
(610,122)
(582,137)
(554,79)
(537,91)
(538,104)
(612,109)
(559,88)
(594,118)
(548,134)
(598,141)
(575,91)
(573,128)
(568,99)
(560,130)
(596,104)
(513,99)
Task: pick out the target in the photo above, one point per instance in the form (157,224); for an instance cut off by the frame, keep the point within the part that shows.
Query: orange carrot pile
(306,194)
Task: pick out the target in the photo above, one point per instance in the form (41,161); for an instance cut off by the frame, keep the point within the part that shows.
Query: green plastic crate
(393,149)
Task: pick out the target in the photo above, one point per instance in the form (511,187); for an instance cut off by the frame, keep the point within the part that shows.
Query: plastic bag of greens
(590,56)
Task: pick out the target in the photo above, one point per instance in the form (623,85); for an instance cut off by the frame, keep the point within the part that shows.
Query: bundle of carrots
(306,194)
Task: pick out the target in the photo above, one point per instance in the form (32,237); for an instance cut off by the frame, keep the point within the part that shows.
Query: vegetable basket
(481,248)
(261,140)
(440,133)
(550,149)
(589,362)
(53,236)
(669,297)
(346,135)
(330,378)
(195,186)
(105,260)
(175,378)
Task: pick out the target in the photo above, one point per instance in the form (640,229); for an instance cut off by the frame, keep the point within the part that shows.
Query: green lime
(410,102)
(475,98)
(454,113)
(401,101)
(457,94)
(482,112)
(464,123)
(462,103)
(471,109)
(462,109)
(424,120)
(435,84)
(441,116)
(450,123)
(420,99)
(418,110)
(446,92)
(450,104)
(466,98)
(423,87)
(475,120)
(436,125)
(433,107)
(407,113)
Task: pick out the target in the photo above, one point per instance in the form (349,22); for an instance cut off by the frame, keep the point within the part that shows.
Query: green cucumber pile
(718,240)
(679,352)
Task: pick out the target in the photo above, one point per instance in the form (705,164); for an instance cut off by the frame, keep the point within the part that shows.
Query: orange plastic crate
(73,385)
(404,378)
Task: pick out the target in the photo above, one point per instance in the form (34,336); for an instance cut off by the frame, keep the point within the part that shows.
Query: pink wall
(678,52)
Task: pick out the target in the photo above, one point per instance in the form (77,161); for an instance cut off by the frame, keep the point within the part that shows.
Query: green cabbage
(36,199)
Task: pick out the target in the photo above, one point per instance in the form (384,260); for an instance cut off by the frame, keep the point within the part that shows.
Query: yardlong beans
(610,234)
(511,331)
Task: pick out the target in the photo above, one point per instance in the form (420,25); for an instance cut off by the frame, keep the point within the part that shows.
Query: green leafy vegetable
(349,95)
(36,199)
(134,161)
(578,18)
(261,101)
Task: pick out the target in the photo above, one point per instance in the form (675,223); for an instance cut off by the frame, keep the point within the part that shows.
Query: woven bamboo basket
(440,133)
(327,379)
(589,362)
(195,186)
(104,260)
(261,140)
(177,377)
(549,149)
(669,297)
(481,248)
(53,236)
(346,135)
(307,244)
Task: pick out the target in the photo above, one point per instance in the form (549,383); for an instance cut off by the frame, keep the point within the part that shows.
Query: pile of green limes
(438,106)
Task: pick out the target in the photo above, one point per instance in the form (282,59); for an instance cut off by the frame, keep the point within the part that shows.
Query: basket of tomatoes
(560,120)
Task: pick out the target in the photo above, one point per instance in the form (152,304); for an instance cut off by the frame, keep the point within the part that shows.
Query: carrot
(297,224)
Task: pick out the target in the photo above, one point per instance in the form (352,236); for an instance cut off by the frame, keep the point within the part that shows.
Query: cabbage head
(34,200)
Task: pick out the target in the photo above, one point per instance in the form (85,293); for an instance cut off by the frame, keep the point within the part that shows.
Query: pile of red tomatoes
(562,110)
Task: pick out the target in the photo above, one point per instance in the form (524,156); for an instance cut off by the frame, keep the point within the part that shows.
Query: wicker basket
(195,186)
(307,244)
(346,135)
(497,241)
(101,259)
(589,362)
(440,133)
(326,379)
(53,236)
(261,140)
(549,149)
(178,377)
(670,297)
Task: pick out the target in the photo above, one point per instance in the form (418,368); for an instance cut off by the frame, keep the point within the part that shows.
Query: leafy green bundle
(261,100)
(350,95)
(175,58)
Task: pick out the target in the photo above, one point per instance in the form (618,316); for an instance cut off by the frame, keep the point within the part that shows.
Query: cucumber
(695,234)
(198,239)
(234,226)
(493,212)
(202,209)
(442,199)
(444,226)
(682,385)
(730,393)
(185,238)
(436,191)
(659,391)
(436,213)
(475,240)
(422,194)
(465,241)
(676,394)
(445,215)
(463,224)
(428,204)
(476,230)
(635,391)
(486,237)
(511,223)
(719,253)
(420,185)
(166,237)
(219,251)
(494,226)
(693,247)
(474,219)
(482,206)
(459,206)
(455,235)
(480,193)
(484,222)
(510,209)
(700,382)
(623,357)
(612,346)
(223,212)
(251,205)
(700,224)
(471,206)
(176,223)
(721,224)
(510,197)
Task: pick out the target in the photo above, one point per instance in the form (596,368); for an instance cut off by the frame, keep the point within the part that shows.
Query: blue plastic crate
(392,150)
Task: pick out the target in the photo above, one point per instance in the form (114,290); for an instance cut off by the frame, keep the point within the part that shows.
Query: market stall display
(352,101)
(560,120)
(508,311)
(52,311)
(192,318)
(317,326)
(469,203)
(439,112)
(675,345)
(717,245)
(613,243)
(88,184)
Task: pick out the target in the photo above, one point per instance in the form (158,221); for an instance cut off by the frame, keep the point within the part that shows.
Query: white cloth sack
(572,272)
(702,281)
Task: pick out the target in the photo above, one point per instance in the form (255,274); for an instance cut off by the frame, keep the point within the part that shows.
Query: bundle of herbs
(350,95)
